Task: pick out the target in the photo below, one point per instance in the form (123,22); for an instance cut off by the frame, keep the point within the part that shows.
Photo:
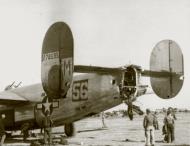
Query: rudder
(167,57)
(57,60)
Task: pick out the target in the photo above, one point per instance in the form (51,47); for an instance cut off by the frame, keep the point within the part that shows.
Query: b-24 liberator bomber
(70,98)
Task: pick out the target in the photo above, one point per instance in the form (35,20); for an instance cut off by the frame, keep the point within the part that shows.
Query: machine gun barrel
(18,84)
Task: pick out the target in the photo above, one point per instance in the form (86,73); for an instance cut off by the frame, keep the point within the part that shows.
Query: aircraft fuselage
(90,94)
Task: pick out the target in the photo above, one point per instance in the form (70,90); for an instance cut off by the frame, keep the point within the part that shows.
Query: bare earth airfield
(120,132)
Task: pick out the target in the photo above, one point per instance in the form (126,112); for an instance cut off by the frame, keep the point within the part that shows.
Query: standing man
(175,118)
(25,130)
(148,125)
(2,129)
(103,121)
(156,124)
(47,124)
(169,124)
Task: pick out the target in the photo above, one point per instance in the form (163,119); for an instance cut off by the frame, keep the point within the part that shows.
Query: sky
(108,33)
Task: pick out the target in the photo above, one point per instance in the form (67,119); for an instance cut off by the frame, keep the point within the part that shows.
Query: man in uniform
(103,121)
(156,124)
(2,129)
(47,124)
(25,130)
(169,125)
(148,125)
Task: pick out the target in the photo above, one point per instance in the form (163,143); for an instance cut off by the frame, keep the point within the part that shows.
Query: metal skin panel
(57,60)
(24,112)
(167,57)
(102,94)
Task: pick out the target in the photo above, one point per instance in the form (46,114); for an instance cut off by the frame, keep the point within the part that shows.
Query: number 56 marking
(80,90)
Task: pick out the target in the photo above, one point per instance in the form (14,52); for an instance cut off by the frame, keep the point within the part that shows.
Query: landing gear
(130,110)
(25,130)
(69,129)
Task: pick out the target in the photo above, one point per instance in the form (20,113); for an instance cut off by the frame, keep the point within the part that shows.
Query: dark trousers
(47,136)
(170,133)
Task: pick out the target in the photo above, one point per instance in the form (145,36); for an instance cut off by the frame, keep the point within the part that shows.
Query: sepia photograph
(94,73)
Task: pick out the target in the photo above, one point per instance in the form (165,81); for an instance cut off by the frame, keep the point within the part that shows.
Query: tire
(69,129)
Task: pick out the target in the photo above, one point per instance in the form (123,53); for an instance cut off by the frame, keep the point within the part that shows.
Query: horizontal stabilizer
(95,69)
(160,74)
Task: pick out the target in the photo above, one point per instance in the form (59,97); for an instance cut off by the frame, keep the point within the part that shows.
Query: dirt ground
(120,132)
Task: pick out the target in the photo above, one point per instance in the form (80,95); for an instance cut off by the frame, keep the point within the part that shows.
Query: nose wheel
(130,109)
(133,108)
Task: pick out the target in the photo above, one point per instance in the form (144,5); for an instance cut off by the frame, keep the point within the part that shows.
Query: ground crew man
(2,129)
(156,124)
(175,118)
(47,124)
(103,121)
(169,125)
(148,125)
(25,130)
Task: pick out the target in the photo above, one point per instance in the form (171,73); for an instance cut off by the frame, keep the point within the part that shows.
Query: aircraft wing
(11,98)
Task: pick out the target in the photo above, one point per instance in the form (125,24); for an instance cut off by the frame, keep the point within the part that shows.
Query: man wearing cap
(148,125)
(169,124)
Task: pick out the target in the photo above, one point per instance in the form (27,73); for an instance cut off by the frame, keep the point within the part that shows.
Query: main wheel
(69,129)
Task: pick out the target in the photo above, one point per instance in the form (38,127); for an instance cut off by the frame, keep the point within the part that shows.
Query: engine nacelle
(131,86)
(57,60)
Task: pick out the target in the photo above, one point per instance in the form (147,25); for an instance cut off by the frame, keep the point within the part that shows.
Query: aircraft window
(43,94)
(113,82)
